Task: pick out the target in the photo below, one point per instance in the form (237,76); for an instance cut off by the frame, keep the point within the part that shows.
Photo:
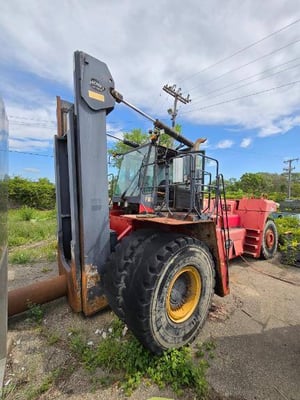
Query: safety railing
(187,183)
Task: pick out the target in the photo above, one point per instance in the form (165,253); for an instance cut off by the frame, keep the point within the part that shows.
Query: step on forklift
(159,249)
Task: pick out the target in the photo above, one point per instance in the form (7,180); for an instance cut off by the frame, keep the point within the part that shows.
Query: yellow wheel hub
(183,294)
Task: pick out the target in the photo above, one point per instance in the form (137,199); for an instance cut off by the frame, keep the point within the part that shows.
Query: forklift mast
(82,185)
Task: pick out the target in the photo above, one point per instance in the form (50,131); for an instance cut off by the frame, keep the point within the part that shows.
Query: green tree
(253,183)
(119,148)
(295,190)
(136,136)
(274,182)
(271,184)
(231,184)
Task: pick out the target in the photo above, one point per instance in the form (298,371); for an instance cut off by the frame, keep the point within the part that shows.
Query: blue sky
(239,61)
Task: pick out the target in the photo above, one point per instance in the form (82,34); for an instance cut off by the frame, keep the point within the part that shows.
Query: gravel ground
(255,329)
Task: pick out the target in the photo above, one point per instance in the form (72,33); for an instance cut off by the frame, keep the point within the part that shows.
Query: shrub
(288,229)
(39,194)
(289,239)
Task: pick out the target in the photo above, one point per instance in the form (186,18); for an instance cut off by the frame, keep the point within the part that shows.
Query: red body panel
(122,226)
(244,223)
(252,215)
(254,212)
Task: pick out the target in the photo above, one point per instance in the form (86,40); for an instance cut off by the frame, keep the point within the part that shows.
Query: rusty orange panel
(93,298)
(161,220)
(73,287)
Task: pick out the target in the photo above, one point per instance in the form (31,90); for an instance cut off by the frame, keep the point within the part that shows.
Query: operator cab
(142,169)
(154,178)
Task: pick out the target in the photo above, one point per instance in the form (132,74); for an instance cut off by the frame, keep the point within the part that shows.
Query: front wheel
(269,240)
(168,295)
(122,260)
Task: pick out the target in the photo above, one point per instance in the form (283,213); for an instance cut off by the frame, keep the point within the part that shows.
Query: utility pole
(177,97)
(289,170)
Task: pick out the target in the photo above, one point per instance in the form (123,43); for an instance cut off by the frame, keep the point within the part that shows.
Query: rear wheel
(168,294)
(269,241)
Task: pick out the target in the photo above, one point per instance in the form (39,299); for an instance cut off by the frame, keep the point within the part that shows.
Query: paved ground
(257,356)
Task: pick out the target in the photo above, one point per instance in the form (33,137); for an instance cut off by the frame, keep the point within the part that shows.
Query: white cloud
(225,144)
(146,47)
(280,127)
(32,170)
(32,120)
(246,142)
(29,145)
(114,131)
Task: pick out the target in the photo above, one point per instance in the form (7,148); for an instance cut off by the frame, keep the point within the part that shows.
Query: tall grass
(31,235)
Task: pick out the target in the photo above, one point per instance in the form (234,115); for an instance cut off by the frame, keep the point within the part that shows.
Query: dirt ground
(255,329)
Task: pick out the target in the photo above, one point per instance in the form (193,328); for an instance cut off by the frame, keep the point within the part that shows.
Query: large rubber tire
(269,240)
(125,257)
(169,292)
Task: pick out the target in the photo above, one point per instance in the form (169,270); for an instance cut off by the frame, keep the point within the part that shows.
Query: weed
(78,344)
(34,393)
(45,270)
(52,338)
(205,349)
(51,251)
(102,381)
(19,257)
(177,369)
(117,327)
(27,213)
(46,384)
(125,356)
(35,313)
(209,346)
(57,373)
(199,351)
(7,390)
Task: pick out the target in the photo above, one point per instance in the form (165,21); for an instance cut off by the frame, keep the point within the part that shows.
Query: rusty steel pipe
(41,292)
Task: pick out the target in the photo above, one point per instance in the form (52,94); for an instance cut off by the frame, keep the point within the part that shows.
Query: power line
(27,152)
(248,63)
(30,124)
(247,84)
(243,49)
(31,119)
(30,153)
(49,155)
(242,97)
(52,121)
(248,77)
